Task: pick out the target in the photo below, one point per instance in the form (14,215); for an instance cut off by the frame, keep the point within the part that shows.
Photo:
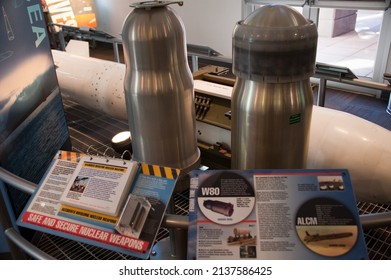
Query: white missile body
(95,83)
(342,140)
(337,139)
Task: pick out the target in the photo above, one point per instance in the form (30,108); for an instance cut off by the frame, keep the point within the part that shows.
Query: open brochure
(274,214)
(132,233)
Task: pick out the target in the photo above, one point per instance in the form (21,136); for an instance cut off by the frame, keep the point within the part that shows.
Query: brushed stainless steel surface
(270,124)
(159,88)
(274,52)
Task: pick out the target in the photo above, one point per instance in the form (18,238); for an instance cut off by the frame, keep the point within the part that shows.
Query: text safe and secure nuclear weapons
(159,87)
(274,51)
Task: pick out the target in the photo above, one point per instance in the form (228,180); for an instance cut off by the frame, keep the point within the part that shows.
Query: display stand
(172,247)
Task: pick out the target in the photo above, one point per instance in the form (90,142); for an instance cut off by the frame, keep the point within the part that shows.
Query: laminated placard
(100,184)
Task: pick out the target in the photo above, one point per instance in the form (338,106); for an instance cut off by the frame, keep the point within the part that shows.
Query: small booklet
(100,184)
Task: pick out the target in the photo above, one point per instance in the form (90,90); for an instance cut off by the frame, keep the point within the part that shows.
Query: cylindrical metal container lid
(274,44)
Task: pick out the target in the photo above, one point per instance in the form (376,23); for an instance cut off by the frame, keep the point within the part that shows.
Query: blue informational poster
(27,71)
(274,214)
(32,120)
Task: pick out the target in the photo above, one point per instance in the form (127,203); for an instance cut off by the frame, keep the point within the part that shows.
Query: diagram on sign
(226,198)
(326,227)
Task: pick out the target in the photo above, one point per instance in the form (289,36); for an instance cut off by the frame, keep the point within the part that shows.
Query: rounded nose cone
(274,44)
(275,16)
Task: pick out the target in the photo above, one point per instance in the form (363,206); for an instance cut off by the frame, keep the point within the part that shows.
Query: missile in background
(95,83)
(342,140)
(337,139)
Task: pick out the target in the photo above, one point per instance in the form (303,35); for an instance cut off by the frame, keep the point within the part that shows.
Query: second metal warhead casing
(274,51)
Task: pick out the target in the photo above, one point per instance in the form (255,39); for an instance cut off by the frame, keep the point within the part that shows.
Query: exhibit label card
(100,184)
(274,214)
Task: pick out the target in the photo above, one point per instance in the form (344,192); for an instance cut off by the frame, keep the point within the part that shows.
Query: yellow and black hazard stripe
(159,171)
(69,156)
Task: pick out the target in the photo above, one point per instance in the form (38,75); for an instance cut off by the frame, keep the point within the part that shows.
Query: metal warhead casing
(159,87)
(274,51)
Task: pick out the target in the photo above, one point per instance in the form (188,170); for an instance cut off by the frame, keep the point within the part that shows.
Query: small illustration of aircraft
(316,237)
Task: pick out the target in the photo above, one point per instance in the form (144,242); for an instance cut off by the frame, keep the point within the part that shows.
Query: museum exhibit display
(185,151)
